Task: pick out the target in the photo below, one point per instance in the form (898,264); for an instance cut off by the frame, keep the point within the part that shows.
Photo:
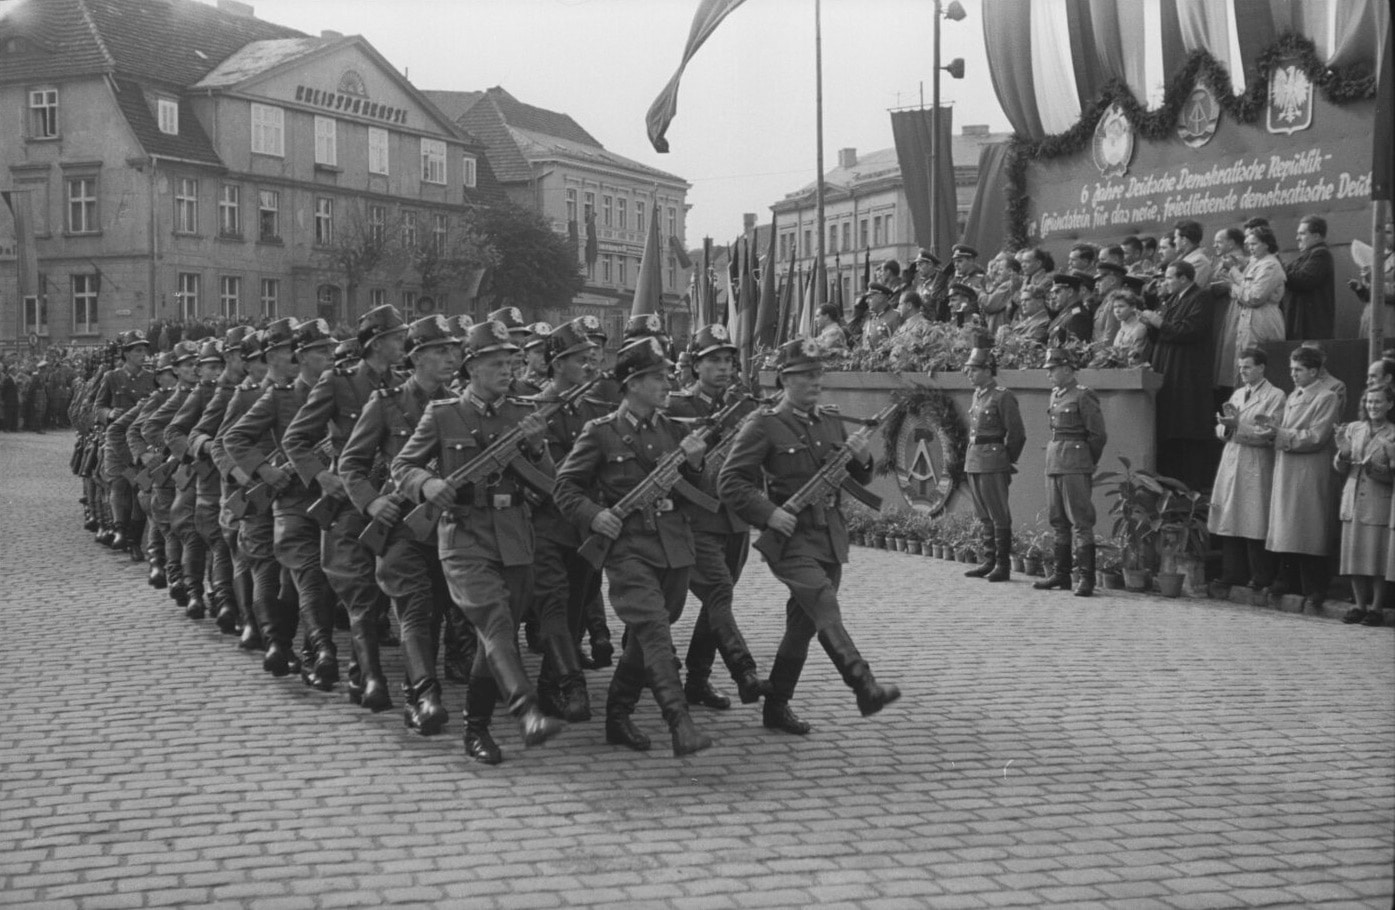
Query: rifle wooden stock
(162,473)
(250,499)
(238,506)
(827,480)
(324,510)
(375,536)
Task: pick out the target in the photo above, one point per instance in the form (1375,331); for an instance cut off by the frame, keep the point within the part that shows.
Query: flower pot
(1018,563)
(1193,572)
(944,552)
(1137,579)
(897,543)
(912,546)
(1113,581)
(1032,565)
(927,549)
(968,554)
(879,541)
(1170,584)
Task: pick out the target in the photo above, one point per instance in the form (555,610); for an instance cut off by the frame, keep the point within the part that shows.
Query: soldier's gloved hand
(242,477)
(274,477)
(782,522)
(385,509)
(693,447)
(860,448)
(437,492)
(607,524)
(330,484)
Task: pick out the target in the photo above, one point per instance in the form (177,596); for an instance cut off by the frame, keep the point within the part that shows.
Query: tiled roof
(538,145)
(257,57)
(192,143)
(59,41)
(453,104)
(482,119)
(538,120)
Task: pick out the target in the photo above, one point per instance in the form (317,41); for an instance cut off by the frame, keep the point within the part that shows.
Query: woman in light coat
(1301,502)
(1244,481)
(1364,454)
(1254,317)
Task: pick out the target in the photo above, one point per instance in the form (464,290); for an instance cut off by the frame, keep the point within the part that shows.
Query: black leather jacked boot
(687,738)
(535,727)
(871,697)
(573,700)
(1085,562)
(731,644)
(776,713)
(986,546)
(480,699)
(459,644)
(425,713)
(1002,550)
(625,688)
(1060,577)
(373,686)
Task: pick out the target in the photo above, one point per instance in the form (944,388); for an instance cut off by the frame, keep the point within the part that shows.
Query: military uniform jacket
(612,456)
(488,522)
(776,452)
(266,421)
(118,449)
(1077,431)
(120,389)
(996,434)
(182,423)
(201,435)
(694,403)
(153,427)
(563,428)
(387,422)
(880,327)
(332,409)
(135,430)
(243,396)
(1074,322)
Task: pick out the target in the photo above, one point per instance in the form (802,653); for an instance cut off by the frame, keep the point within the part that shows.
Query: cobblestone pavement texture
(1124,751)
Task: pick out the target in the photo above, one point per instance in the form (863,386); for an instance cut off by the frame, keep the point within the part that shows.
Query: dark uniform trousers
(297,546)
(410,572)
(118,391)
(1077,442)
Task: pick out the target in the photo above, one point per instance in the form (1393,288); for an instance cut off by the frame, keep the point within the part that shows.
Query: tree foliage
(530,266)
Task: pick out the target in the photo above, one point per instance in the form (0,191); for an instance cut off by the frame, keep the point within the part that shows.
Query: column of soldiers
(470,479)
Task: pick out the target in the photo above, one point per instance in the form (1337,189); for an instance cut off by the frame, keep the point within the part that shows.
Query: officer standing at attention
(326,419)
(649,561)
(485,536)
(722,541)
(776,452)
(408,570)
(1077,442)
(996,438)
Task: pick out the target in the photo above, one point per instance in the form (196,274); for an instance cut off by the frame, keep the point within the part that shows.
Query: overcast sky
(744,135)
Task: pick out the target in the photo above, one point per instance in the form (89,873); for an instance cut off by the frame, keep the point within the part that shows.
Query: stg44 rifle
(505,453)
(664,479)
(827,481)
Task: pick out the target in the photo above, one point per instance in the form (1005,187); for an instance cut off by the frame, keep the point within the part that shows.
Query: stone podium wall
(1126,398)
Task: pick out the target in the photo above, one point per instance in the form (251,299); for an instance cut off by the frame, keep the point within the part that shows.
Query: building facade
(547,162)
(256,172)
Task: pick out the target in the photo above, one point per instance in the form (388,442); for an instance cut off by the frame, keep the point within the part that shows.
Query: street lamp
(953,12)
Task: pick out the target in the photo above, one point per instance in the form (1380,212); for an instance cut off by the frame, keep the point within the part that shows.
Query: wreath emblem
(651,322)
(1113,143)
(500,332)
(321,327)
(926,440)
(442,325)
(718,332)
(590,323)
(515,315)
(809,348)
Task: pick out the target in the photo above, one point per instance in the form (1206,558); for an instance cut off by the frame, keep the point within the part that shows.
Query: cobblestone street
(1124,751)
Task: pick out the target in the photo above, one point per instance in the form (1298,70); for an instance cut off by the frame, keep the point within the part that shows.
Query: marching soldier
(296,361)
(776,452)
(996,438)
(119,447)
(721,541)
(408,570)
(147,438)
(1077,442)
(484,536)
(119,390)
(534,360)
(327,418)
(347,354)
(649,562)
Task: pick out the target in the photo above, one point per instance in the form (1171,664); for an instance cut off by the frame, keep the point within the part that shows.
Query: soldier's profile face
(575,369)
(715,369)
(803,389)
(492,372)
(316,360)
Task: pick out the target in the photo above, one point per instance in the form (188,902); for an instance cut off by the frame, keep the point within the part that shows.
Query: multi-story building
(866,210)
(546,161)
(178,160)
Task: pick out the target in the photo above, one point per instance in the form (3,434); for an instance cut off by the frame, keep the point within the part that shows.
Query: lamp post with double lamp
(953,12)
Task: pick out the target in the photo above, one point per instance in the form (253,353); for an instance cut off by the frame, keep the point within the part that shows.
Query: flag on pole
(704,285)
(768,315)
(26,255)
(750,302)
(649,286)
(732,322)
(835,296)
(592,245)
(787,293)
(709,15)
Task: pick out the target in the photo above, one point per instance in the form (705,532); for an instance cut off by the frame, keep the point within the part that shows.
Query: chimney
(847,158)
(976,129)
(329,34)
(235,8)
(748,222)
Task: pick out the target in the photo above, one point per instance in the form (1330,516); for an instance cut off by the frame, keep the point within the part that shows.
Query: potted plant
(1137,495)
(1021,541)
(1109,563)
(1184,538)
(1034,555)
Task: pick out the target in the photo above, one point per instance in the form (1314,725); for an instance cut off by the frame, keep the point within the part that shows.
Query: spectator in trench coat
(1300,504)
(1255,317)
(1244,481)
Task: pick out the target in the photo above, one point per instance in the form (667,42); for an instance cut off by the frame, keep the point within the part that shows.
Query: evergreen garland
(937,407)
(1340,86)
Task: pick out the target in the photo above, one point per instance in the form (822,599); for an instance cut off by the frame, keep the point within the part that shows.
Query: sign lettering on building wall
(349,104)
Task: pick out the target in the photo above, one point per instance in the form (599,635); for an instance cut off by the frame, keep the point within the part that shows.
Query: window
(438,233)
(877,231)
(324,221)
(606,268)
(468,170)
(808,242)
(167,115)
(832,239)
(672,221)
(186,206)
(230,210)
(43,113)
(377,150)
(271,297)
(639,215)
(268,130)
(862,234)
(82,206)
(409,302)
(621,277)
(377,297)
(326,141)
(784,246)
(607,204)
(622,215)
(84,304)
(847,235)
(377,224)
(229,296)
(36,316)
(269,215)
(890,233)
(409,230)
(433,161)
(187,297)
(571,206)
(672,272)
(589,208)
(327,298)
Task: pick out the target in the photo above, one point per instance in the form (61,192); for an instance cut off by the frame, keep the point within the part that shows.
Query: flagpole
(819,292)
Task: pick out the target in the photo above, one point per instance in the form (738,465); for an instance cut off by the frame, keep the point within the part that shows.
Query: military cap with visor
(347,350)
(251,346)
(1109,265)
(981,357)
(232,338)
(1058,357)
(540,331)
(313,333)
(279,333)
(430,332)
(164,362)
(570,338)
(460,325)
(643,356)
(512,318)
(802,355)
(926,256)
(960,289)
(184,351)
(710,339)
(211,351)
(379,321)
(1074,279)
(963,251)
(133,338)
(487,337)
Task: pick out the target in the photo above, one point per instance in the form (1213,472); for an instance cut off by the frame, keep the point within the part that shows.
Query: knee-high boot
(987,546)
(871,697)
(784,676)
(480,699)
(1060,578)
(1002,546)
(506,666)
(668,692)
(626,686)
(573,702)
(731,644)
(1085,562)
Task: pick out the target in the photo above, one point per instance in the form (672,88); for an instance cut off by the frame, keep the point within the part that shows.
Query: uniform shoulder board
(388,392)
(604,418)
(441,402)
(283,387)
(831,410)
(344,371)
(681,393)
(527,401)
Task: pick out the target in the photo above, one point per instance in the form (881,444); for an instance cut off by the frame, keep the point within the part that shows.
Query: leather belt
(987,440)
(505,500)
(1060,437)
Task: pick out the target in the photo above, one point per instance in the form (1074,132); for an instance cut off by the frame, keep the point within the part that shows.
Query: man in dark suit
(1309,298)
(1180,332)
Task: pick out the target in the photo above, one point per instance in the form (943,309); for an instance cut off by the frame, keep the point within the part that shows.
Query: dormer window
(167,115)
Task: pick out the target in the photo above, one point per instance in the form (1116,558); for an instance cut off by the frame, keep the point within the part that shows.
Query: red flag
(749,303)
(709,15)
(786,298)
(649,285)
(768,314)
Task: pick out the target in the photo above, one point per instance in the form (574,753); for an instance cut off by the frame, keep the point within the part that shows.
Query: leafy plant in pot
(1136,495)
(1109,563)
(1184,538)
